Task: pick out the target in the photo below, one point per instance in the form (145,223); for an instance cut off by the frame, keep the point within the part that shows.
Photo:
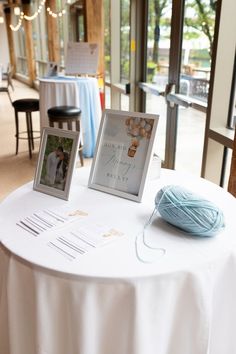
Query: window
(20,48)
(39,40)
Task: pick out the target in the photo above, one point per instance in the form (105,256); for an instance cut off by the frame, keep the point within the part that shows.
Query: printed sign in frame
(82,58)
(123,153)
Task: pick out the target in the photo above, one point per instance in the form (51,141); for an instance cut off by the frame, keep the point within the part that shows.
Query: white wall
(4,51)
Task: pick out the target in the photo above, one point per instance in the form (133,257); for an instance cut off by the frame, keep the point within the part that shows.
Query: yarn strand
(144,242)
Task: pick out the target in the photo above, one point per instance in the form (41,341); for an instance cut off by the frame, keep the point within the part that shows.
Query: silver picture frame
(123,153)
(56,161)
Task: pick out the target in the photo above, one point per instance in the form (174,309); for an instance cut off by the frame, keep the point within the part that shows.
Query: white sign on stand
(82,58)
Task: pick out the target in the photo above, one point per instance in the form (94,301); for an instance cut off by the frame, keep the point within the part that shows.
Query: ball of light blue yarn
(188,211)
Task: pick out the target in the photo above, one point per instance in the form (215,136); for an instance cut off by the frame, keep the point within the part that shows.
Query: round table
(108,301)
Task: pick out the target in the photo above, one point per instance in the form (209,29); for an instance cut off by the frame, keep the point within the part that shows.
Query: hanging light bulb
(1,19)
(17,11)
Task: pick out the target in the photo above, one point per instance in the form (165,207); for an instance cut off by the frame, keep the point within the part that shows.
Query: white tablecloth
(109,302)
(80,92)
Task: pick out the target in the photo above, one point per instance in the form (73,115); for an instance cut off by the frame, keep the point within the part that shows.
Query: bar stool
(27,105)
(67,115)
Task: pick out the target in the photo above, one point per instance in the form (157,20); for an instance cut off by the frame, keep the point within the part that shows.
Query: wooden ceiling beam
(29,43)
(95,28)
(53,33)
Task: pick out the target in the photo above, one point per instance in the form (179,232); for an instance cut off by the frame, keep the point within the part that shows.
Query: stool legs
(31,130)
(80,145)
(81,154)
(17,131)
(28,116)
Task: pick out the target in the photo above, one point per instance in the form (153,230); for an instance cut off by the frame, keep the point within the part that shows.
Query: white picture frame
(123,153)
(52,69)
(56,162)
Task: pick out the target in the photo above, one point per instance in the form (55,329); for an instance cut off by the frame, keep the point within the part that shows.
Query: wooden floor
(15,170)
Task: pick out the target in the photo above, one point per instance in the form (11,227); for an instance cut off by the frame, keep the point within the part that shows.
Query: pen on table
(54,216)
(59,249)
(33,223)
(85,241)
(70,245)
(24,228)
(48,224)
(33,230)
(38,222)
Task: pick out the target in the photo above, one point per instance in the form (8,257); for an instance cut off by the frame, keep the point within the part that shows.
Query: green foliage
(201,54)
(125,40)
(107,36)
(54,141)
(151,70)
(201,21)
(107,64)
(125,70)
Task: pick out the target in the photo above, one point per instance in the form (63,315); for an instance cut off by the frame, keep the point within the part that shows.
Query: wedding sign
(81,58)
(123,153)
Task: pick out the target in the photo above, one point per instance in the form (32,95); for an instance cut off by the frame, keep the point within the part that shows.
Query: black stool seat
(26,105)
(62,112)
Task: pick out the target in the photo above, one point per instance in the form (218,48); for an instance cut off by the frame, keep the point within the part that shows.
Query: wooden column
(95,28)
(232,177)
(29,43)
(53,33)
(10,38)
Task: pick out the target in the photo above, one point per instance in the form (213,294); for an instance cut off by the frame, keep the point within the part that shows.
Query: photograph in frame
(52,69)
(56,161)
(123,153)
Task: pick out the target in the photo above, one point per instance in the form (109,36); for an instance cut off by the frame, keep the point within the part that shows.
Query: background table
(109,302)
(82,92)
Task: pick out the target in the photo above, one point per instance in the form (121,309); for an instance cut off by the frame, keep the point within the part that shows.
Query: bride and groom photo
(56,162)
(57,158)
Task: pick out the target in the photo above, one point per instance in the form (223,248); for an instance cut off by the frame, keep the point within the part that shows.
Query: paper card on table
(81,237)
(49,219)
(71,232)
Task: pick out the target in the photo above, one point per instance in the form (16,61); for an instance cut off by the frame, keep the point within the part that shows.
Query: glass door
(117,53)
(178,58)
(157,66)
